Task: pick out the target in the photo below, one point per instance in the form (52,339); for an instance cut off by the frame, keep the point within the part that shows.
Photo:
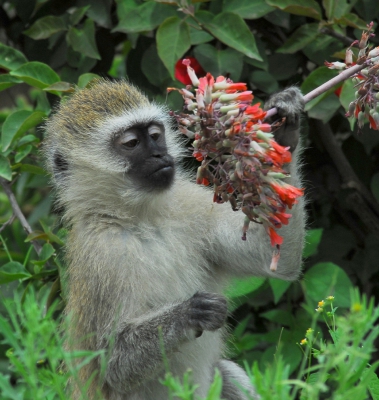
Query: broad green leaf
(314,80)
(308,8)
(13,271)
(173,40)
(302,36)
(292,355)
(264,81)
(99,11)
(46,252)
(11,58)
(85,79)
(153,68)
(20,155)
(336,8)
(83,40)
(18,123)
(60,87)
(6,81)
(33,169)
(325,279)
(325,109)
(199,36)
(27,139)
(232,30)
(45,27)
(278,287)
(220,62)
(352,20)
(312,240)
(5,168)
(248,9)
(78,14)
(243,287)
(36,74)
(36,235)
(145,17)
(374,185)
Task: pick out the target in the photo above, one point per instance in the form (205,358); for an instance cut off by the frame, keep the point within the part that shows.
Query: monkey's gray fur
(139,260)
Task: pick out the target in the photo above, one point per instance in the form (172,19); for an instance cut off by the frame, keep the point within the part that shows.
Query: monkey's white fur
(132,255)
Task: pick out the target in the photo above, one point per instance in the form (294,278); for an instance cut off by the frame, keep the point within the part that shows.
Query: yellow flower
(319,310)
(321,303)
(356,307)
(303,342)
(330,298)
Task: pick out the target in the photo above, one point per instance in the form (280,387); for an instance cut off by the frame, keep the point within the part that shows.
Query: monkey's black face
(143,148)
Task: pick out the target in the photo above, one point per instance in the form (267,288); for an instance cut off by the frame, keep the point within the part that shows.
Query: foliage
(48,46)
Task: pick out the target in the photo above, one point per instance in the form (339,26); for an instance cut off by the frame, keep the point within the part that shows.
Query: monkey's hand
(290,105)
(205,312)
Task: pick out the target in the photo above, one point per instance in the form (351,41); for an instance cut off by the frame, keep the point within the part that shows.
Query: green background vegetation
(49,46)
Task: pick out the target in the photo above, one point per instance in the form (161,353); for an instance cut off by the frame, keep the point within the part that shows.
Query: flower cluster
(238,153)
(366,103)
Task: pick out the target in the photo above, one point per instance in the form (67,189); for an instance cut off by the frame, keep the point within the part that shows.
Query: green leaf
(85,79)
(243,287)
(13,271)
(153,68)
(60,87)
(199,36)
(214,392)
(173,41)
(264,81)
(36,235)
(5,168)
(78,14)
(23,153)
(10,58)
(83,40)
(325,279)
(232,30)
(145,17)
(220,62)
(46,252)
(278,287)
(314,80)
(336,8)
(308,8)
(302,36)
(27,139)
(6,81)
(45,27)
(312,240)
(248,9)
(325,109)
(352,20)
(18,123)
(33,169)
(36,74)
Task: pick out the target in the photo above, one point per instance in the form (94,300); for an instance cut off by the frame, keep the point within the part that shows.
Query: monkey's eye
(129,139)
(155,131)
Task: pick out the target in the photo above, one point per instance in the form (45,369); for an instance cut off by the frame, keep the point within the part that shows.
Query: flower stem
(325,86)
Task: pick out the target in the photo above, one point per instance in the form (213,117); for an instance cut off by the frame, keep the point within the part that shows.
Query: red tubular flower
(275,238)
(181,70)
(205,83)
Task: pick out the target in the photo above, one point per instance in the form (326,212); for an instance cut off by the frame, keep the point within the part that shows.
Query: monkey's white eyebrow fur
(144,114)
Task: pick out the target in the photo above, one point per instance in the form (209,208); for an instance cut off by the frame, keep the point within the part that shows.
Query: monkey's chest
(169,265)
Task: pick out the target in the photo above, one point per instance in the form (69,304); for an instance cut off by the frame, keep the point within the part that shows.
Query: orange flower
(275,238)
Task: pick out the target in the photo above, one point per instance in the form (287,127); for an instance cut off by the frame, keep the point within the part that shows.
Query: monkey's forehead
(89,108)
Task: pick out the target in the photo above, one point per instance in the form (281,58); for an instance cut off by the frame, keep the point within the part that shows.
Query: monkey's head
(109,137)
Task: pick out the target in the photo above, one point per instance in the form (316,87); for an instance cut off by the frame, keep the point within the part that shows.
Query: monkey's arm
(238,257)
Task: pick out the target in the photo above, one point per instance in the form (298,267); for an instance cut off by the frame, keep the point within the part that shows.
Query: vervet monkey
(147,250)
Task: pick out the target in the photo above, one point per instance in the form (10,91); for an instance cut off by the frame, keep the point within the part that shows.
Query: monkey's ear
(61,166)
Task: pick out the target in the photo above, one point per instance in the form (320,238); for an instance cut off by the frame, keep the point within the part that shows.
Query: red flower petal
(181,70)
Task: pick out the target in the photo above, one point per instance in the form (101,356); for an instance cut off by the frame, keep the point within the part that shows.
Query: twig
(18,213)
(325,86)
(344,39)
(5,224)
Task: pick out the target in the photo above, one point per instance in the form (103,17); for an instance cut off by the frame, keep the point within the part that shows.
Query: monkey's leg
(236,384)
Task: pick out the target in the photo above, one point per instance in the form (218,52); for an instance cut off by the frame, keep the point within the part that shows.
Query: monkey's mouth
(164,168)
